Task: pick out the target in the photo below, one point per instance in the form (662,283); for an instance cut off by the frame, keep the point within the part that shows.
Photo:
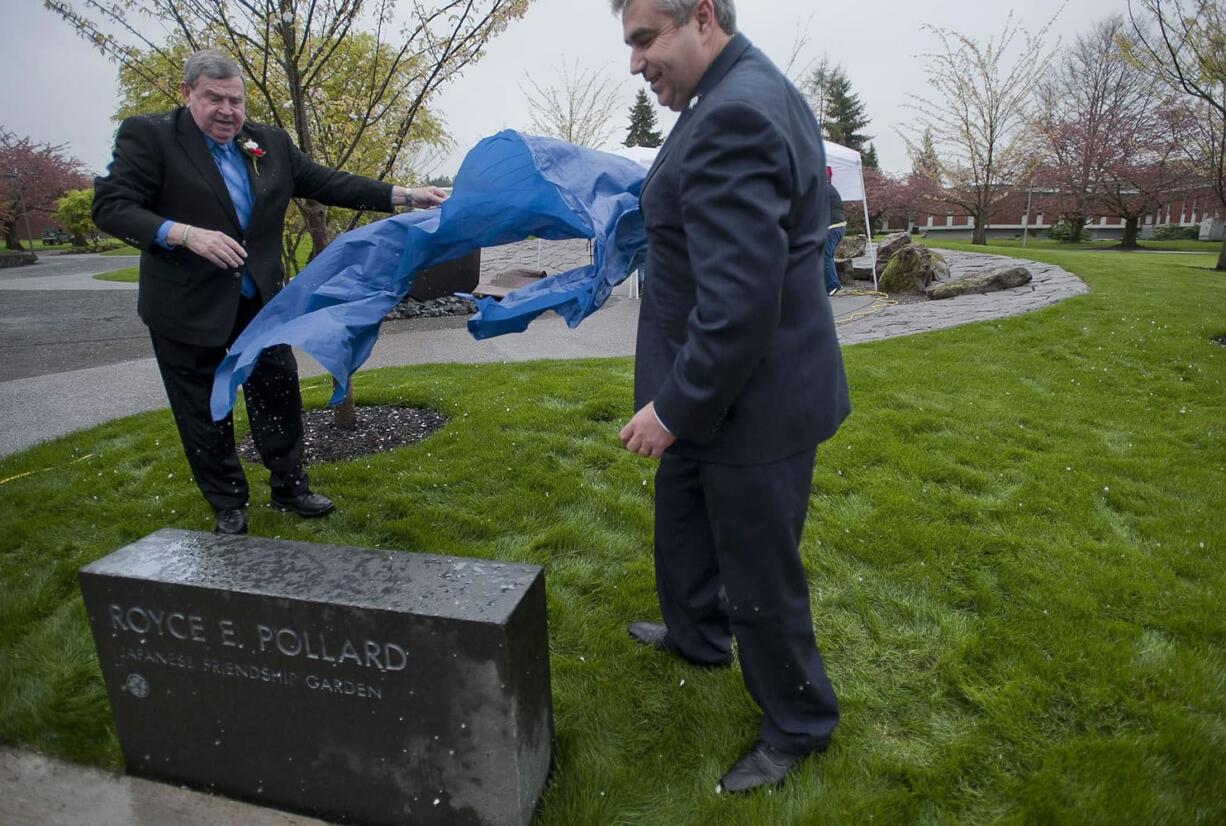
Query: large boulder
(862,272)
(1002,278)
(912,269)
(852,246)
(889,247)
(849,249)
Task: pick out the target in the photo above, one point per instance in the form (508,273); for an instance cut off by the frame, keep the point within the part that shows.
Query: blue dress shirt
(234,172)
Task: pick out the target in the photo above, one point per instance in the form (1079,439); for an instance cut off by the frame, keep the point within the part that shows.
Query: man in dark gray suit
(738,374)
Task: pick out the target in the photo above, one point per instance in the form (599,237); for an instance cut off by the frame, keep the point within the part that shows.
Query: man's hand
(422,197)
(644,434)
(219,248)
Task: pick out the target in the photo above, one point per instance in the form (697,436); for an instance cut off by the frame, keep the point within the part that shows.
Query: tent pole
(868,229)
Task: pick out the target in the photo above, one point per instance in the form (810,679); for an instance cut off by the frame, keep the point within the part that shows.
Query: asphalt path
(43,332)
(74,352)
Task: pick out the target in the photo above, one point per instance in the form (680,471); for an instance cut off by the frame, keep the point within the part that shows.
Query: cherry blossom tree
(36,173)
(1092,109)
(1183,44)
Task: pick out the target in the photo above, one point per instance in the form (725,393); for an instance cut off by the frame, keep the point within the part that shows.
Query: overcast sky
(59,89)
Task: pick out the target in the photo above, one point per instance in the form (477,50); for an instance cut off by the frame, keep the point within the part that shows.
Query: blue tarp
(510,187)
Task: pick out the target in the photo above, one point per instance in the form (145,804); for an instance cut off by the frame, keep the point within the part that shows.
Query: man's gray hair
(210,64)
(680,11)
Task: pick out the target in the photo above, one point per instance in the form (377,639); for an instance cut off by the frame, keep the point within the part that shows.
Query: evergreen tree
(924,162)
(642,131)
(844,113)
(870,157)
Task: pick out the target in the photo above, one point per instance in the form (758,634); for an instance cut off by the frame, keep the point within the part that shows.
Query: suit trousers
(728,566)
(274,408)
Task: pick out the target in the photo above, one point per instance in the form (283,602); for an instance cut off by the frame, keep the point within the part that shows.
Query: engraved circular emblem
(137,686)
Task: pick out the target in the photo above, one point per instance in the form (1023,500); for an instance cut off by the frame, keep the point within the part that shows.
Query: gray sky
(61,90)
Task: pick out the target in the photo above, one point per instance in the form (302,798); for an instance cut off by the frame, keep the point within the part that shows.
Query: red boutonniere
(252,150)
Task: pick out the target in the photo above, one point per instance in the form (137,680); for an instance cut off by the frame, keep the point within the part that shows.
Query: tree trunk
(345,414)
(1129,241)
(11,241)
(980,235)
(1221,257)
(1077,226)
(317,226)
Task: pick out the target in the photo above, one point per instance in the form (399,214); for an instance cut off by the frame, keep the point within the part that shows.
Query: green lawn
(128,275)
(1032,243)
(1045,243)
(131,274)
(1016,547)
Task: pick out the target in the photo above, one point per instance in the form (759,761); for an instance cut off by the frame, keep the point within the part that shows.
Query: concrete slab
(38,790)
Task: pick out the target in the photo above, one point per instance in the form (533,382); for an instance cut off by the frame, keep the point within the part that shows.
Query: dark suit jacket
(163,170)
(736,339)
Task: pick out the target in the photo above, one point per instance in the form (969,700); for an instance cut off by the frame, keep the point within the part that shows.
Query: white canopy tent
(848,178)
(847,175)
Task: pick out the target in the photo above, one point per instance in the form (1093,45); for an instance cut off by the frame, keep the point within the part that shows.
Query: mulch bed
(380,428)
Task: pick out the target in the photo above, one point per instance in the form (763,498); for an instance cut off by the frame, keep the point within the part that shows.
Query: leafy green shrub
(1171,232)
(1062,231)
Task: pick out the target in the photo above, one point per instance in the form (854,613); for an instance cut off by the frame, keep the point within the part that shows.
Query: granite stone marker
(459,275)
(358,685)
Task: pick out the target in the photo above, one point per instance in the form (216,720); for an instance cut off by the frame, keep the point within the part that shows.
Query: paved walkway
(36,791)
(51,403)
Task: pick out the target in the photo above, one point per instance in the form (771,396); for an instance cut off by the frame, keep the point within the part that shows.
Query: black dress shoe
(306,504)
(762,765)
(231,520)
(655,635)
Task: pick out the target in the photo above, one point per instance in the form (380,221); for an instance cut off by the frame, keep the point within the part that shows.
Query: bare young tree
(1184,45)
(816,83)
(978,114)
(579,109)
(813,78)
(331,72)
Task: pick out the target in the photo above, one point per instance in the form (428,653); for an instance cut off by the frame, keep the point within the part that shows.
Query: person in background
(202,192)
(838,227)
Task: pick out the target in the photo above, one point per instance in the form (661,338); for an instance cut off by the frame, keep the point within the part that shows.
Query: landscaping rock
(889,247)
(862,270)
(1002,278)
(852,246)
(911,269)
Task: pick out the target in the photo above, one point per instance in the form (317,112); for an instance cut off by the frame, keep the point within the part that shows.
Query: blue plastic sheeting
(510,187)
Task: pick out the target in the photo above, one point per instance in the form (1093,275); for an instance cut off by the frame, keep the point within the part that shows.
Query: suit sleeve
(133,181)
(736,186)
(335,188)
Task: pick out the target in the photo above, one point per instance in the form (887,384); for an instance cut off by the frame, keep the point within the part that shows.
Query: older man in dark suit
(203,193)
(738,374)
